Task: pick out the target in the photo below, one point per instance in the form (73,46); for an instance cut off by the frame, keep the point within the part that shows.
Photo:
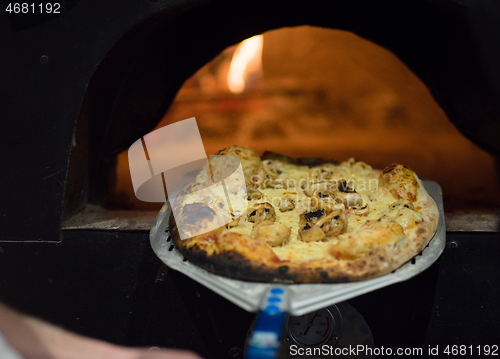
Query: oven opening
(314,92)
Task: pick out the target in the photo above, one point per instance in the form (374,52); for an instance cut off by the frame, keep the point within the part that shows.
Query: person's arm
(36,339)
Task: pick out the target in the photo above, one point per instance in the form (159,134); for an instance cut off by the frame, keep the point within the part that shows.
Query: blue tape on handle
(264,343)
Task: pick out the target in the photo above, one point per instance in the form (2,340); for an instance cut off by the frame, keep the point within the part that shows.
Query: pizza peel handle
(265,339)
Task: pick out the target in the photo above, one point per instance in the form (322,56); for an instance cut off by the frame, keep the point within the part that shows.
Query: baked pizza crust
(378,246)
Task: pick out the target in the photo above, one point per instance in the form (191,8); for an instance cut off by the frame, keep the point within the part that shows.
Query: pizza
(306,220)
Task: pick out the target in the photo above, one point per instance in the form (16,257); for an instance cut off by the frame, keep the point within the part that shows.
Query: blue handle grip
(264,343)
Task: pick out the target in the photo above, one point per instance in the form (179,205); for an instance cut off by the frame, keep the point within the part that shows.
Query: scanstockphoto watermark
(310,183)
(353,350)
(336,193)
(165,161)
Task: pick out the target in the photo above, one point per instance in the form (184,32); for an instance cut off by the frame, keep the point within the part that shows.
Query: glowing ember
(246,64)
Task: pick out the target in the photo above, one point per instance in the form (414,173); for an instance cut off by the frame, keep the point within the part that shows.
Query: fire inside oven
(314,92)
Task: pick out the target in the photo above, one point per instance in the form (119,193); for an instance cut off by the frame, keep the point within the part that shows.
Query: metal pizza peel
(274,300)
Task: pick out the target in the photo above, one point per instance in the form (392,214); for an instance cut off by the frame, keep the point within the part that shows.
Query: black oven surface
(110,285)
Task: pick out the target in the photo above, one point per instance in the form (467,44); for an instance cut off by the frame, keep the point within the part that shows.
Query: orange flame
(246,63)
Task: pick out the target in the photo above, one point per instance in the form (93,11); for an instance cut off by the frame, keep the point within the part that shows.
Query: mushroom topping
(260,212)
(353,200)
(274,234)
(260,179)
(346,187)
(361,210)
(253,194)
(320,189)
(334,223)
(272,168)
(330,222)
(348,194)
(278,183)
(324,203)
(311,217)
(287,203)
(403,203)
(323,171)
(312,234)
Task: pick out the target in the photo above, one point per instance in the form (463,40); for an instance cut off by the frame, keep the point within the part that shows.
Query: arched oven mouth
(386,88)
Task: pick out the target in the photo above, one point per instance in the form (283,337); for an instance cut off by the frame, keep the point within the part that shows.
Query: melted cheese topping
(365,181)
